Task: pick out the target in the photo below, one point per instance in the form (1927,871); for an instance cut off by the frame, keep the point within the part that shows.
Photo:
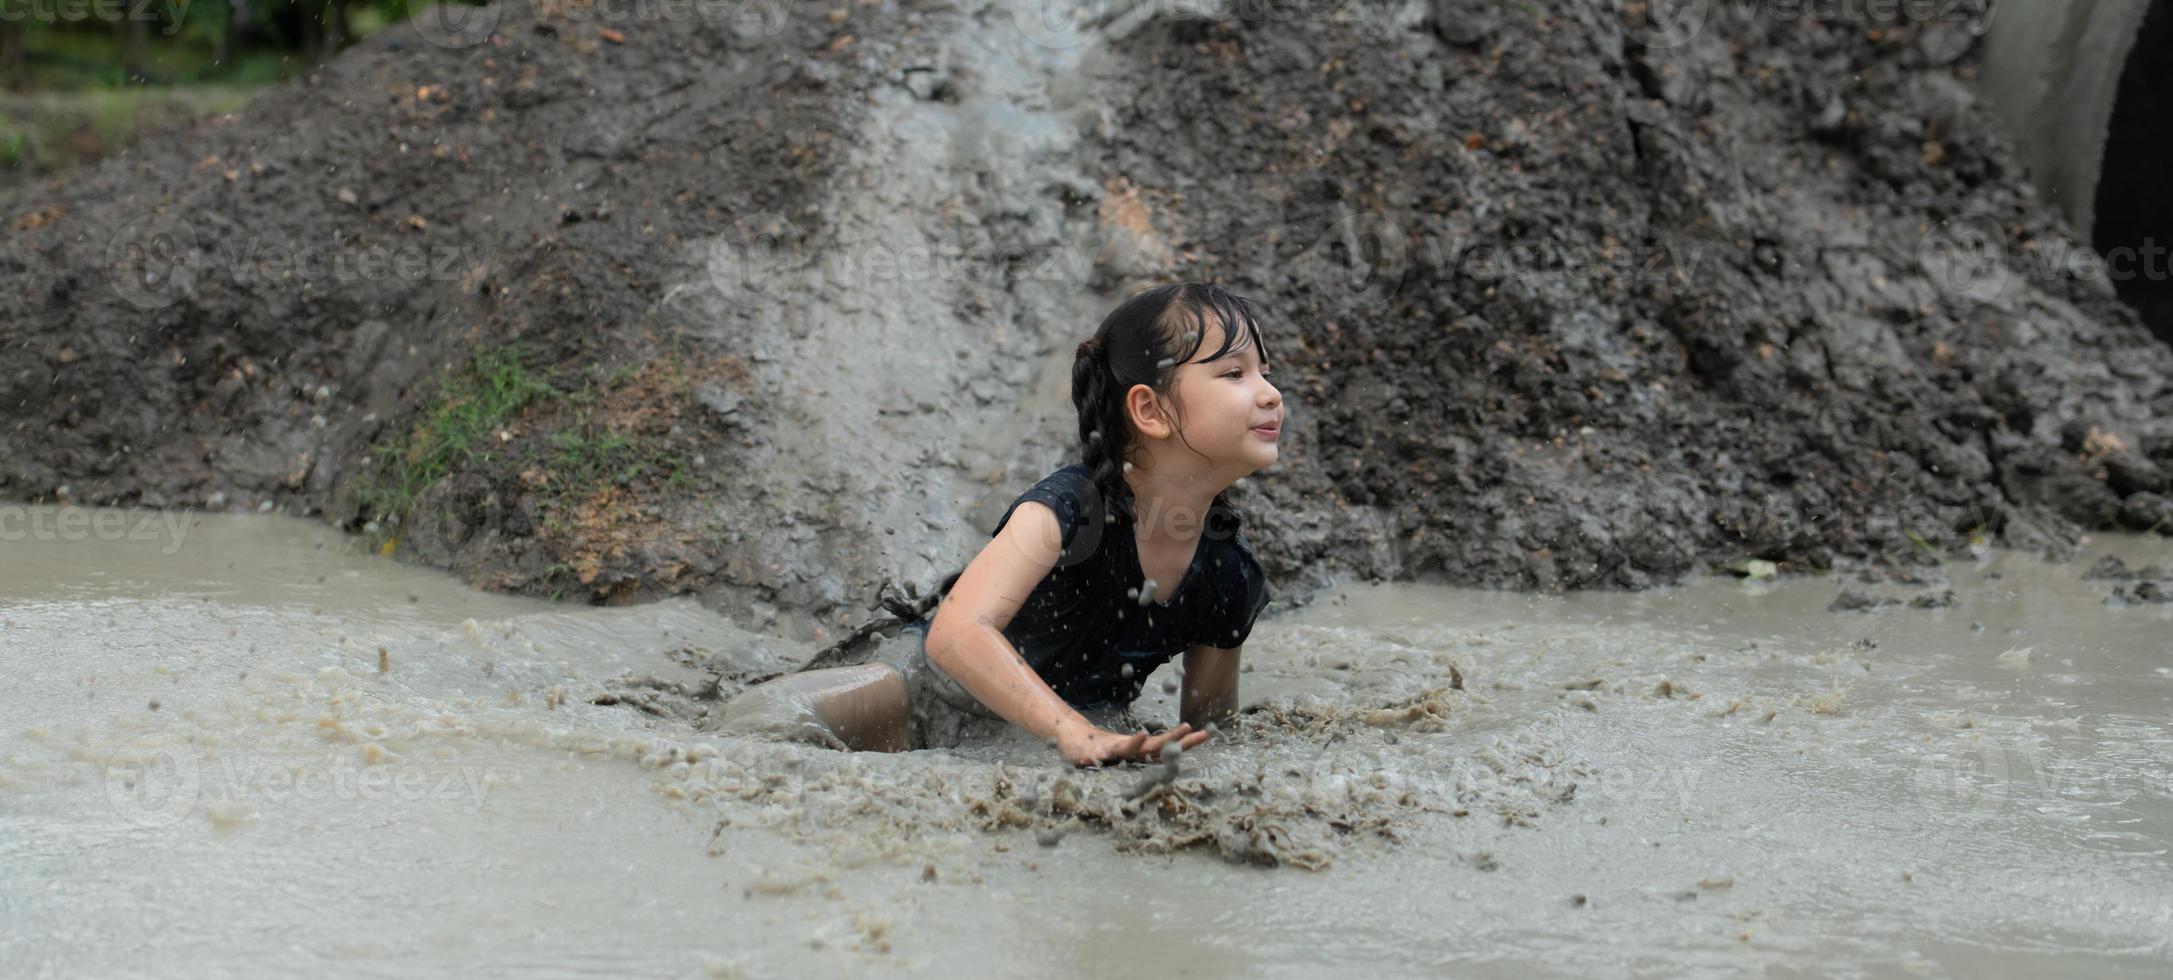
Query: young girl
(1096,575)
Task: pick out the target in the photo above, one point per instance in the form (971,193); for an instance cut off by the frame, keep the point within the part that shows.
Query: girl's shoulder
(1071,493)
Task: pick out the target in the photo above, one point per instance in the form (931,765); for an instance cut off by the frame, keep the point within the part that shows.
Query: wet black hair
(1143,342)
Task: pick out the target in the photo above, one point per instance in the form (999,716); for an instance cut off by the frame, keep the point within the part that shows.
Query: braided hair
(1141,342)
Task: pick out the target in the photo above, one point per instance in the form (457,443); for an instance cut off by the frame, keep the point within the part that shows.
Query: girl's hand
(1089,746)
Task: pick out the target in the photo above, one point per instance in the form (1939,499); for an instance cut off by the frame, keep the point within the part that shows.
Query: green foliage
(46,132)
(585,456)
(181,46)
(458,430)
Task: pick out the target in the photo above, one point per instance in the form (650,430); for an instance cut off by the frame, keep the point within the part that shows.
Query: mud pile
(774,307)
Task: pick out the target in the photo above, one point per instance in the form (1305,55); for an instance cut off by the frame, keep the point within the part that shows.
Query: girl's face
(1232,414)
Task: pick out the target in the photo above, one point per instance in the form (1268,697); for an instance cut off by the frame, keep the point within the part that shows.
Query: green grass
(43,133)
(585,456)
(458,430)
(78,60)
(1926,547)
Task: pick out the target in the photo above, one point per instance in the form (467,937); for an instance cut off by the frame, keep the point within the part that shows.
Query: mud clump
(2112,568)
(2145,589)
(2144,593)
(1852,600)
(1288,785)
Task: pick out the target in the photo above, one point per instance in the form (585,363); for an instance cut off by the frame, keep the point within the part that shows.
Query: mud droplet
(154,704)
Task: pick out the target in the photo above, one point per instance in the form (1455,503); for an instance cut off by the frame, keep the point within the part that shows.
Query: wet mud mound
(594,309)
(1600,303)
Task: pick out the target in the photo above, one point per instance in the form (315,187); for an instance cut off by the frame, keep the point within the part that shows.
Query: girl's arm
(1210,692)
(966,641)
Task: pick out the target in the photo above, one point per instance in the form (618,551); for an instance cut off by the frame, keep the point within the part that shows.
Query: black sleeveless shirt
(1083,623)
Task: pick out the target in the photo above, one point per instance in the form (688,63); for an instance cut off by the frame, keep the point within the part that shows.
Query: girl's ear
(1146,412)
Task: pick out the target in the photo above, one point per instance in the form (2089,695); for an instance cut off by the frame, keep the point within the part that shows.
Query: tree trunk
(133,33)
(335,28)
(223,47)
(13,41)
(311,19)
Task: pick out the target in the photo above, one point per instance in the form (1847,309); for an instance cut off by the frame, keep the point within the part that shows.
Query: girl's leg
(861,707)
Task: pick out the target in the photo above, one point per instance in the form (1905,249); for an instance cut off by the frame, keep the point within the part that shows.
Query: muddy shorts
(942,713)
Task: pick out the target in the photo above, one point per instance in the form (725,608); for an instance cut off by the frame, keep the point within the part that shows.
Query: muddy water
(205,771)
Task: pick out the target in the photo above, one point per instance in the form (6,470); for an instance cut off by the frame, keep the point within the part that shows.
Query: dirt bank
(771,308)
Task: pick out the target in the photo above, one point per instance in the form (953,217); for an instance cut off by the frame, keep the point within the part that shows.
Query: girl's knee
(856,707)
(781,708)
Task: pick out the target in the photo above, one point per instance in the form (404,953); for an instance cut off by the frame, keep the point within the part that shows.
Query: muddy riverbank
(770,309)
